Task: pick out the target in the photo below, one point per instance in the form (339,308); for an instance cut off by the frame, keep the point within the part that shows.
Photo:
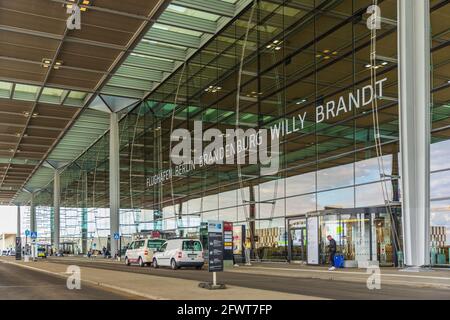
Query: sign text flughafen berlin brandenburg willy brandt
(232,146)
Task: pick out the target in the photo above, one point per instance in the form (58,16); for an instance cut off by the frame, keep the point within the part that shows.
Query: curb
(331,277)
(95,283)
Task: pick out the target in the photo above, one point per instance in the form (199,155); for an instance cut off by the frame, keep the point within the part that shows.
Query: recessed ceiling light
(385,63)
(26,113)
(18,134)
(368,66)
(213,89)
(57,65)
(46,62)
(35,115)
(301,101)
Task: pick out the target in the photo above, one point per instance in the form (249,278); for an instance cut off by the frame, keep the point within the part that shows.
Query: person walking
(248,248)
(332,251)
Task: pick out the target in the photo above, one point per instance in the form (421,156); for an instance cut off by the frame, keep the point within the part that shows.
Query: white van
(141,251)
(178,253)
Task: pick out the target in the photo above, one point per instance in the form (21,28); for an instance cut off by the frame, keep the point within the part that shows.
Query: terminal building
(357,93)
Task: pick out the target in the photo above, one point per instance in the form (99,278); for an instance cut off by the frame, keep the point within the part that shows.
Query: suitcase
(339,261)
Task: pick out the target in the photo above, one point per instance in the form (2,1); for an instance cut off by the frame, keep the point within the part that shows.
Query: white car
(3,252)
(141,251)
(178,253)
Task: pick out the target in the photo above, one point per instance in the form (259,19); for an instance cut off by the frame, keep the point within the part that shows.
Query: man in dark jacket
(332,249)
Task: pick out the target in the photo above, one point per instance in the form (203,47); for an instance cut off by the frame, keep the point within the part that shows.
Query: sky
(8,219)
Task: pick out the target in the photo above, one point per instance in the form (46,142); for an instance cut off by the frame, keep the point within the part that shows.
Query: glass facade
(290,57)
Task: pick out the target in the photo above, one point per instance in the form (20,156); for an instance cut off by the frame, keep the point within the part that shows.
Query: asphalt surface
(17,283)
(331,289)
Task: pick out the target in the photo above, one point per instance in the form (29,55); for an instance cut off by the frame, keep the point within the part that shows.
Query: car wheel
(155,263)
(173,264)
(127,262)
(140,262)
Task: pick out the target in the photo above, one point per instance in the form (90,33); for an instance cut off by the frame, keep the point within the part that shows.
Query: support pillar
(114,181)
(32,214)
(415,102)
(84,224)
(56,210)
(18,236)
(19,231)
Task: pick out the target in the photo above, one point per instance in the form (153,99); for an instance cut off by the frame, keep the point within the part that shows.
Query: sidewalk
(426,278)
(156,288)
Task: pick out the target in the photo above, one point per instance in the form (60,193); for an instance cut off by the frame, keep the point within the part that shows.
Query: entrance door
(297,245)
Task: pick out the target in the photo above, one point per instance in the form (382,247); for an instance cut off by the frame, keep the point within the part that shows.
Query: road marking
(95,283)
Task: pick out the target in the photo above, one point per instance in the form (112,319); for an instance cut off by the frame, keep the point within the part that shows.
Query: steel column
(56,210)
(32,214)
(19,232)
(415,102)
(114,180)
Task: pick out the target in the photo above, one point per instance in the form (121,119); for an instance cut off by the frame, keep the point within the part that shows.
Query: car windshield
(192,245)
(155,244)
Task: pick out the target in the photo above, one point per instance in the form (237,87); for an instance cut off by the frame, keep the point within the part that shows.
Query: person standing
(332,251)
(248,248)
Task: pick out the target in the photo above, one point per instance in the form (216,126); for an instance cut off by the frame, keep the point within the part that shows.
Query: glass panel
(26,92)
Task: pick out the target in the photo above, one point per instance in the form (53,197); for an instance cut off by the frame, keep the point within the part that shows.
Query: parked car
(3,252)
(12,252)
(178,253)
(141,251)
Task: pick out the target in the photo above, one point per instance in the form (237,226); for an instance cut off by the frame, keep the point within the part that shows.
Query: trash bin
(339,261)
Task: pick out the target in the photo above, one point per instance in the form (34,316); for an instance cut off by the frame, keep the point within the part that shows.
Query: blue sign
(27,233)
(116,236)
(33,235)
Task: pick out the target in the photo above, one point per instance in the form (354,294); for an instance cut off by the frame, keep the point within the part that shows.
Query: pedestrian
(332,251)
(248,248)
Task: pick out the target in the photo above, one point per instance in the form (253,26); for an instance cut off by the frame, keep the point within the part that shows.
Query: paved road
(312,287)
(17,283)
